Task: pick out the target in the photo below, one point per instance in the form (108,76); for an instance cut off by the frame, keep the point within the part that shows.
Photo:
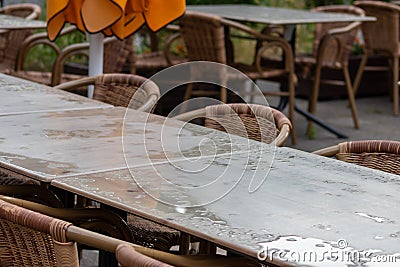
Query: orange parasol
(119,18)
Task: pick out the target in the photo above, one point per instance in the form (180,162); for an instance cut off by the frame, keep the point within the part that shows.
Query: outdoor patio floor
(375,116)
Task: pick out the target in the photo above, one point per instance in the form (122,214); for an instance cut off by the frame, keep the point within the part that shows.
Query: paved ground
(375,116)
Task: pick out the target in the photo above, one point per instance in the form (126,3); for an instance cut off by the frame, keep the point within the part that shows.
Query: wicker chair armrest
(84,216)
(190,115)
(36,10)
(36,39)
(252,32)
(345,29)
(76,83)
(23,52)
(287,54)
(172,27)
(283,134)
(149,105)
(327,151)
(67,52)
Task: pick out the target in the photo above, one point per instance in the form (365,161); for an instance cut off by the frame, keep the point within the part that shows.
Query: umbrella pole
(95,58)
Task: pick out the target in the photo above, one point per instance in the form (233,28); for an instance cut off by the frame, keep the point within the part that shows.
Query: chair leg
(360,73)
(187,95)
(184,244)
(350,94)
(312,103)
(291,107)
(395,86)
(223,94)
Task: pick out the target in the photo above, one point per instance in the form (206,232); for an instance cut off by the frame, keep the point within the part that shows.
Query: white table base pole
(96,53)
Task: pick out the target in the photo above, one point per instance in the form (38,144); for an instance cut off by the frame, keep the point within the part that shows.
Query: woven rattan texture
(122,90)
(204,38)
(382,35)
(256,122)
(152,235)
(26,239)
(376,154)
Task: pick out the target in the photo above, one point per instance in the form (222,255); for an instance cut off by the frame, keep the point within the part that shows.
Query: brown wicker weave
(382,155)
(331,49)
(10,40)
(382,38)
(28,238)
(152,235)
(117,53)
(126,90)
(205,40)
(36,245)
(8,179)
(252,121)
(141,231)
(46,202)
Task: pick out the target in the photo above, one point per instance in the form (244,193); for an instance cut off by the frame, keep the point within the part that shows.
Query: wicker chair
(117,53)
(45,201)
(382,155)
(149,63)
(252,121)
(331,49)
(119,90)
(143,232)
(205,40)
(29,238)
(10,40)
(381,38)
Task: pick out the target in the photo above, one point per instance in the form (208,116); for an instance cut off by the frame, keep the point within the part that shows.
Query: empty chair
(117,53)
(381,38)
(46,241)
(148,63)
(252,121)
(11,40)
(382,155)
(331,49)
(30,238)
(126,90)
(206,39)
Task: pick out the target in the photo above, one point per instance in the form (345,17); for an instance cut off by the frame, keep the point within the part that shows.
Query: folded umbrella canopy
(119,18)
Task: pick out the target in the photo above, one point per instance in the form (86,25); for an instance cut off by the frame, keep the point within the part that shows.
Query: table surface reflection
(274,15)
(19,96)
(49,145)
(8,22)
(304,204)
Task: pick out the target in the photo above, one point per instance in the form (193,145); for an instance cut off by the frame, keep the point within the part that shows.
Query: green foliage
(315,3)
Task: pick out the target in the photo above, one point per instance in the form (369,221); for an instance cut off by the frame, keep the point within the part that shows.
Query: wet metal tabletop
(19,96)
(274,15)
(49,145)
(296,208)
(12,22)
